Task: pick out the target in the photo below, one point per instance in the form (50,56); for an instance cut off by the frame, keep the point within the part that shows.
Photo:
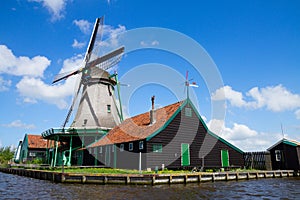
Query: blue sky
(254,44)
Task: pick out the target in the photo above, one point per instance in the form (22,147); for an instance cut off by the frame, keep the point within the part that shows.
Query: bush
(6,154)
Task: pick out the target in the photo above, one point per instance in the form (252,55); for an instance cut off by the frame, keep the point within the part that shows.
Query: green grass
(115,171)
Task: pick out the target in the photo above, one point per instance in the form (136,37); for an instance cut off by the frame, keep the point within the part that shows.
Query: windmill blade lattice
(91,70)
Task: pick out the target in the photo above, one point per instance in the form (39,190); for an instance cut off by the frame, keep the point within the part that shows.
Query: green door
(185,154)
(225,158)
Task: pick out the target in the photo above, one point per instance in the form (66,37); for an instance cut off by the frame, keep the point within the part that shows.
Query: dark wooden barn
(285,154)
(173,137)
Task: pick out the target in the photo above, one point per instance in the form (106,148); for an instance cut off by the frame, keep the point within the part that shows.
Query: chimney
(152,112)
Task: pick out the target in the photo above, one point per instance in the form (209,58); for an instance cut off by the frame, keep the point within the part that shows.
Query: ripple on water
(17,187)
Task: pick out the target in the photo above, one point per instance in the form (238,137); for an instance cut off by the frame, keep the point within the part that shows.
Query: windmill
(97,106)
(188,84)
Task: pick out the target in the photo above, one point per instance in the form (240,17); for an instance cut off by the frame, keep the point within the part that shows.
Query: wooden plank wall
(258,160)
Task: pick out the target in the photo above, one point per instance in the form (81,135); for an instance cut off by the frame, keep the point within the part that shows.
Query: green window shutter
(185,154)
(225,158)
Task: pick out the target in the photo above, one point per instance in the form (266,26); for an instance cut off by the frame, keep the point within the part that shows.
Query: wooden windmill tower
(97,106)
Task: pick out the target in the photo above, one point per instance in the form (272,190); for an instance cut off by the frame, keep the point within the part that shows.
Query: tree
(6,154)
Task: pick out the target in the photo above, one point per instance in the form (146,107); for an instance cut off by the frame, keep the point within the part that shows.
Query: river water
(18,187)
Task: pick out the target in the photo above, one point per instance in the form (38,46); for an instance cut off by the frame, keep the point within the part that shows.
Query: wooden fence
(258,160)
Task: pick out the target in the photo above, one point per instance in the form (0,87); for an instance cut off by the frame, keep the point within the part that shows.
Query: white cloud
(237,132)
(72,63)
(21,66)
(83,25)
(4,84)
(242,136)
(19,124)
(111,34)
(235,98)
(149,43)
(77,44)
(55,7)
(52,94)
(274,98)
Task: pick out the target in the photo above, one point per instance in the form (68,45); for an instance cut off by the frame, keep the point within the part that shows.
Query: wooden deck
(152,179)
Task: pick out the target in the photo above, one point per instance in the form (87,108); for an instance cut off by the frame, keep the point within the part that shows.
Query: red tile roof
(36,141)
(138,127)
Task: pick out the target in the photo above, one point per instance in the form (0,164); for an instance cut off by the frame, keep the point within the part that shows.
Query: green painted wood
(185,154)
(225,158)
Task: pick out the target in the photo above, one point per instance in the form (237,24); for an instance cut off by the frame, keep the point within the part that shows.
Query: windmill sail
(95,94)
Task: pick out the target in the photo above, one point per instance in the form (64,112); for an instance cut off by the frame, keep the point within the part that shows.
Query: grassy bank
(116,171)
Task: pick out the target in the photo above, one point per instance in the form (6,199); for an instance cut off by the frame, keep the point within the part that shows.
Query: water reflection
(17,187)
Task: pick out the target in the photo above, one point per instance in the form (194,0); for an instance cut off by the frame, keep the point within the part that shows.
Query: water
(17,187)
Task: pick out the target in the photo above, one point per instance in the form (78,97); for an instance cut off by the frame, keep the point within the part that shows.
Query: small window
(108,108)
(157,148)
(130,146)
(121,147)
(113,148)
(100,150)
(95,150)
(32,154)
(188,112)
(278,155)
(141,145)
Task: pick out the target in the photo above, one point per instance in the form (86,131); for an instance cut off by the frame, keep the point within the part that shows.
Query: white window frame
(121,147)
(278,155)
(141,145)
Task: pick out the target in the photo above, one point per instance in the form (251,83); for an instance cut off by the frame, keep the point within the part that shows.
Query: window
(188,112)
(130,146)
(32,154)
(278,155)
(121,147)
(113,148)
(108,108)
(141,145)
(95,150)
(157,148)
(100,150)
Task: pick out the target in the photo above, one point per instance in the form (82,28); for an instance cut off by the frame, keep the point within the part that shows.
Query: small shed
(285,155)
(33,147)
(174,137)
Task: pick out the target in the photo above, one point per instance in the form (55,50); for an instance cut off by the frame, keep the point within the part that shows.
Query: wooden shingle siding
(178,130)
(185,129)
(290,157)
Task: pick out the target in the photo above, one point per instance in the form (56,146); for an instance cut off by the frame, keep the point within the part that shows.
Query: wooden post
(153,180)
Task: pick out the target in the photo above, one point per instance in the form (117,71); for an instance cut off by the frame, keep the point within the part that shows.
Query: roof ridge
(138,127)
(181,102)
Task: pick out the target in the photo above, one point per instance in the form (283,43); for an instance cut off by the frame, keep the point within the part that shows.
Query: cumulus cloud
(274,98)
(235,98)
(52,94)
(19,124)
(78,45)
(242,136)
(237,132)
(4,84)
(111,34)
(54,7)
(21,66)
(83,25)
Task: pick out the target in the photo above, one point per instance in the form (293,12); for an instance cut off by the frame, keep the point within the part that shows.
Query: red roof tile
(138,127)
(36,141)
